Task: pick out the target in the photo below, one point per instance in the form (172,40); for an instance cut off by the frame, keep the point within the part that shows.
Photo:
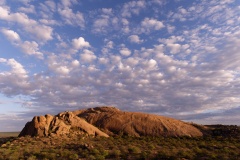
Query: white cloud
(174,45)
(75,63)
(80,43)
(31,48)
(3,60)
(46,11)
(149,24)
(25,1)
(172,39)
(41,32)
(63,70)
(103,60)
(125,21)
(105,21)
(72,18)
(48,22)
(135,39)
(100,25)
(87,56)
(110,44)
(11,35)
(4,12)
(107,10)
(14,81)
(125,25)
(107,47)
(115,59)
(150,64)
(132,61)
(51,5)
(17,68)
(170,28)
(125,52)
(159,2)
(66,3)
(133,7)
(28,9)
(174,48)
(62,66)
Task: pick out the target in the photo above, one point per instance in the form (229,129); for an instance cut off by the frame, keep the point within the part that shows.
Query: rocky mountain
(105,121)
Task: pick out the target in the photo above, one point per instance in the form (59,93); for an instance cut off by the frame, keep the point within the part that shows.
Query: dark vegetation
(220,142)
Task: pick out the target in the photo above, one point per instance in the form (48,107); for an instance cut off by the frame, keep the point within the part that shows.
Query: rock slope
(114,121)
(104,121)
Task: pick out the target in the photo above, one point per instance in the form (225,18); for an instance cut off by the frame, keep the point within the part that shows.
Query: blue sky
(175,58)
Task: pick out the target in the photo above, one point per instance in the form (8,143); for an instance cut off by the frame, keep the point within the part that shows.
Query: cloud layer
(148,56)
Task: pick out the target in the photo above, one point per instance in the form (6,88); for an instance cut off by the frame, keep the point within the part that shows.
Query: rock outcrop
(114,121)
(61,124)
(111,121)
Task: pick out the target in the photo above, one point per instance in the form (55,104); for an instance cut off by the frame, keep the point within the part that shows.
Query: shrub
(95,151)
(134,150)
(74,156)
(115,153)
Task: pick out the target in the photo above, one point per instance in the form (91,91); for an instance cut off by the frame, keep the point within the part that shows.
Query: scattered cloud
(28,9)
(29,48)
(72,18)
(39,31)
(17,68)
(14,81)
(180,61)
(125,52)
(149,24)
(87,56)
(133,7)
(11,35)
(80,43)
(135,39)
(101,24)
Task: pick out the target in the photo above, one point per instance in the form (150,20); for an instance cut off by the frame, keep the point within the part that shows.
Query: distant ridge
(105,121)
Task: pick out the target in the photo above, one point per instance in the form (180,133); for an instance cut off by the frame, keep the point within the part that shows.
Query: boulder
(61,124)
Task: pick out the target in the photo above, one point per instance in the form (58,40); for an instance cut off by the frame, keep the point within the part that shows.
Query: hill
(105,121)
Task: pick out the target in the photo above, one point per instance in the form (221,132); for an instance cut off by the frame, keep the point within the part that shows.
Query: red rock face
(111,121)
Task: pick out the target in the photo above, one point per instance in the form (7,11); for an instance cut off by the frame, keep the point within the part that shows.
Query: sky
(176,58)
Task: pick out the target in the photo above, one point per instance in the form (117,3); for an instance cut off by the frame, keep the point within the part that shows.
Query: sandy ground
(8,134)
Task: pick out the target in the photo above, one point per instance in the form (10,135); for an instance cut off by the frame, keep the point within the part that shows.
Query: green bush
(134,150)
(32,157)
(74,156)
(115,153)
